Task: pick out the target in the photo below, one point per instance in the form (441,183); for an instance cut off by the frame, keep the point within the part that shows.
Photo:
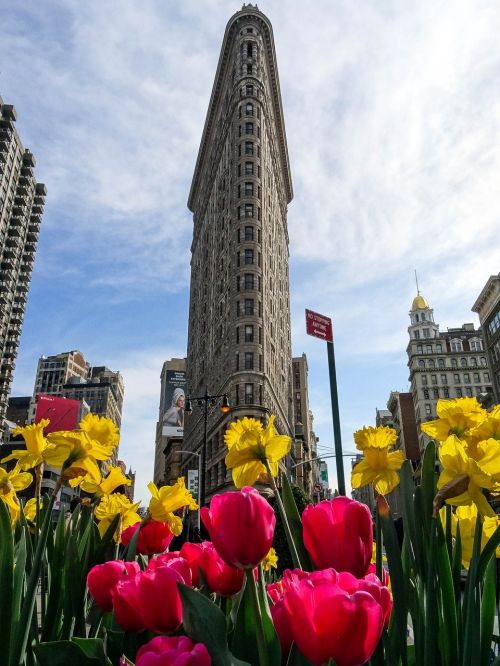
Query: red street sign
(319,326)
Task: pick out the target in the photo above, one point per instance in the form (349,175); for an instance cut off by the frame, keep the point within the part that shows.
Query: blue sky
(392,113)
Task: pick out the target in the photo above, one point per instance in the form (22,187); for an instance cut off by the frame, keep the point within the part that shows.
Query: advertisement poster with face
(175,399)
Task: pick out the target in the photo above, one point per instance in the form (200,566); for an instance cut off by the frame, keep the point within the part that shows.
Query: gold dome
(419,303)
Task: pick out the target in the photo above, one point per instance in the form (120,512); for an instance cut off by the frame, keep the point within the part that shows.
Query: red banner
(62,412)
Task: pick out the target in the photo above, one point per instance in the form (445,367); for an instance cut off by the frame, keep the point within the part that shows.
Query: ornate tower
(239,314)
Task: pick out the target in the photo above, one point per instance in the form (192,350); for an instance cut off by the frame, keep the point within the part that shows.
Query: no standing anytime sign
(319,326)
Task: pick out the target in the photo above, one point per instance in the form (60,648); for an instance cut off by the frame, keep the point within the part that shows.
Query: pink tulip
(102,578)
(159,561)
(127,604)
(338,533)
(219,576)
(173,651)
(154,537)
(335,616)
(159,597)
(241,527)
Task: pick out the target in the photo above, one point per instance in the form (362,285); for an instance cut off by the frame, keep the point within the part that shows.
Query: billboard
(174,402)
(62,412)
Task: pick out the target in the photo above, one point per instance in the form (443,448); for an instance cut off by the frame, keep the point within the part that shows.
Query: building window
(248,128)
(468,392)
(446,392)
(249,281)
(249,168)
(475,345)
(419,349)
(249,189)
(249,333)
(237,361)
(249,90)
(428,349)
(486,376)
(237,394)
(444,379)
(249,306)
(466,378)
(249,109)
(434,380)
(249,394)
(421,364)
(428,410)
(237,335)
(249,49)
(248,360)
(424,380)
(439,348)
(456,378)
(249,233)
(436,392)
(248,210)
(431,363)
(426,394)
(454,363)
(416,335)
(456,346)
(426,333)
(440,362)
(473,362)
(248,147)
(248,256)
(249,68)
(483,361)
(463,362)
(477,377)
(458,392)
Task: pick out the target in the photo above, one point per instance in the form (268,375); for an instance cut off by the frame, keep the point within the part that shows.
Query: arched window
(421,364)
(483,361)
(475,344)
(454,363)
(416,317)
(249,109)
(432,365)
(440,362)
(463,362)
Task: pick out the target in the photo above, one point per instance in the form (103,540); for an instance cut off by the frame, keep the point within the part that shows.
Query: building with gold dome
(451,364)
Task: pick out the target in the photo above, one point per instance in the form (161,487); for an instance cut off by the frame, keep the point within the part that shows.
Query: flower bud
(102,579)
(154,537)
(173,651)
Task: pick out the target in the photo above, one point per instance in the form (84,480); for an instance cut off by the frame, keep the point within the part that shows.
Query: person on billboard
(174,416)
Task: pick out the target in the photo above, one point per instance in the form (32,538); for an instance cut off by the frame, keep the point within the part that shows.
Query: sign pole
(339,460)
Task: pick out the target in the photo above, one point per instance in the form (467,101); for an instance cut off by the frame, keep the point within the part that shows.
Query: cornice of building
(246,13)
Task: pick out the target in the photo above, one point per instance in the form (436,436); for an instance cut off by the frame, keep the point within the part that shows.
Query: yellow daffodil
(10,483)
(378,466)
(110,506)
(74,453)
(100,485)
(103,433)
(466,517)
(36,444)
(270,560)
(369,437)
(250,446)
(239,428)
(29,509)
(488,429)
(456,417)
(168,499)
(461,469)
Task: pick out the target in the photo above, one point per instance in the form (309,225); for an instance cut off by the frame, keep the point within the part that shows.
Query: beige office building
(21,207)
(239,312)
(449,364)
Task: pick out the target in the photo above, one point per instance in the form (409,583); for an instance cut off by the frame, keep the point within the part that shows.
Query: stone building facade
(21,207)
(487,307)
(449,364)
(239,314)
(306,475)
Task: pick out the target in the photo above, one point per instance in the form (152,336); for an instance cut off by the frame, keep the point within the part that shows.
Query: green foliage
(280,542)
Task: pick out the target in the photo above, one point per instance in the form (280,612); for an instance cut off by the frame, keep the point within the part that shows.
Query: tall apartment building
(169,428)
(449,364)
(69,375)
(402,411)
(239,313)
(305,447)
(21,206)
(487,307)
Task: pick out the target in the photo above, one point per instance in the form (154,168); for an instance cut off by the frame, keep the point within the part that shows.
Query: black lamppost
(206,401)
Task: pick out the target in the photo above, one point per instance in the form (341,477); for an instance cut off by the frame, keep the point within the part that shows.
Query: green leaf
(270,635)
(21,636)
(471,642)
(488,603)
(77,652)
(398,628)
(50,628)
(449,639)
(296,658)
(428,485)
(487,553)
(6,578)
(295,523)
(410,529)
(244,641)
(205,623)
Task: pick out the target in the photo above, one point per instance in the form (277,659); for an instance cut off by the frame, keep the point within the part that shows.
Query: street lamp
(206,401)
(193,453)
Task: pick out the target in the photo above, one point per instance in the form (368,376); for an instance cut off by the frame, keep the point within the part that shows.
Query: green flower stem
(261,643)
(288,532)
(378,546)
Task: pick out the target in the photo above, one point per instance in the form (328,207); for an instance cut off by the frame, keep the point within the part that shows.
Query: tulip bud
(173,651)
(241,527)
(154,537)
(219,576)
(338,533)
(159,561)
(102,579)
